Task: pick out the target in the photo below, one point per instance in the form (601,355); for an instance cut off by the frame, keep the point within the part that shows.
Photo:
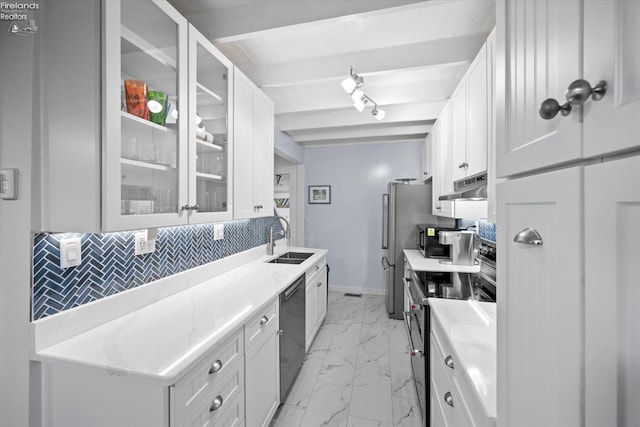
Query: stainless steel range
(422,285)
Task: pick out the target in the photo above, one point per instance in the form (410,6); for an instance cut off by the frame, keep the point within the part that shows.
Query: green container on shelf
(157,106)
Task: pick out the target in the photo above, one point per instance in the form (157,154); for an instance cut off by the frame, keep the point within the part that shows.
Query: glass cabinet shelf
(144,122)
(139,164)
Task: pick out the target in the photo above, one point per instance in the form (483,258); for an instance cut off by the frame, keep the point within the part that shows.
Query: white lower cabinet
(238,379)
(540,305)
(316,300)
(262,364)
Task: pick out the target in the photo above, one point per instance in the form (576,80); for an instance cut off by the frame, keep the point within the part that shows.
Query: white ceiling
(411,55)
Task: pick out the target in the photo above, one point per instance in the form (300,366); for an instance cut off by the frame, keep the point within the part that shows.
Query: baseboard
(350,289)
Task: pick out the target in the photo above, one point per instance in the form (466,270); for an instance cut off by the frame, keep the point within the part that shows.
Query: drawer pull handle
(264,320)
(528,236)
(448,399)
(217,365)
(449,362)
(217,404)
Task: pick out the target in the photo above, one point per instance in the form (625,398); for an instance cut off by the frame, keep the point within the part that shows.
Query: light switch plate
(218,231)
(9,184)
(70,252)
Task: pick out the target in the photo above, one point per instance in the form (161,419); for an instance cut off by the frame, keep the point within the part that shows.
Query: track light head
(352,82)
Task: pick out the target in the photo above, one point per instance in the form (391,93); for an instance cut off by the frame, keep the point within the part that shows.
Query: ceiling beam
(350,117)
(321,97)
(360,132)
(247,18)
(383,60)
(366,140)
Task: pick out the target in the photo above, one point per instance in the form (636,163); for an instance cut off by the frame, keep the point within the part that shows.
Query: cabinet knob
(416,353)
(528,236)
(217,404)
(319,284)
(463,165)
(280,332)
(577,93)
(185,208)
(449,362)
(438,208)
(264,320)
(217,365)
(448,399)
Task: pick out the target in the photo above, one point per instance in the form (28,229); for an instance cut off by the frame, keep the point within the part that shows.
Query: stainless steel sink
(291,258)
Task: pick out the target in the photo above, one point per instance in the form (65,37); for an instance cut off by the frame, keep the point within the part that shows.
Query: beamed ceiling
(411,54)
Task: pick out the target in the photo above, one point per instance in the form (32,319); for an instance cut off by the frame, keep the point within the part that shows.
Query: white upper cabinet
(611,35)
(152,144)
(459,132)
(210,133)
(469,115)
(253,159)
(144,148)
(442,161)
(427,157)
(477,85)
(542,57)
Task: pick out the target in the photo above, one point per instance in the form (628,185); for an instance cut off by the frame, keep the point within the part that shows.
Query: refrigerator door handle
(385,221)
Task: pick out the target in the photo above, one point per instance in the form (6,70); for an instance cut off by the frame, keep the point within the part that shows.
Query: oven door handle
(415,351)
(407,288)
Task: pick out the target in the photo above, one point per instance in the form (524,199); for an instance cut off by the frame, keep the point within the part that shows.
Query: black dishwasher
(292,330)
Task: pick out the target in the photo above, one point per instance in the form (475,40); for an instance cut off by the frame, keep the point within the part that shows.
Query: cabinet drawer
(313,271)
(441,383)
(223,405)
(255,327)
(442,348)
(189,391)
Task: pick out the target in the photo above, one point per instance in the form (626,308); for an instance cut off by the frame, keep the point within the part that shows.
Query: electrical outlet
(142,245)
(218,231)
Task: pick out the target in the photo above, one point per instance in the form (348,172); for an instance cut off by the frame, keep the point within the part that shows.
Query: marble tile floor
(357,372)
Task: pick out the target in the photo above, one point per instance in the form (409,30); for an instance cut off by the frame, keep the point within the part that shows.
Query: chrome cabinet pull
(463,165)
(319,284)
(217,365)
(416,353)
(217,404)
(185,208)
(264,320)
(577,93)
(528,236)
(449,362)
(448,399)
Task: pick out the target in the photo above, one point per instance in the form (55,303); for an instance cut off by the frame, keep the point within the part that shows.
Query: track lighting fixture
(360,100)
(352,82)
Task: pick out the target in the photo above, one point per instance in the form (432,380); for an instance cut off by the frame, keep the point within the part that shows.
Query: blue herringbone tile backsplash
(109,265)
(486,230)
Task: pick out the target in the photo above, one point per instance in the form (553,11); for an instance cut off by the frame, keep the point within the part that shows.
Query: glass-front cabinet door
(145,144)
(210,131)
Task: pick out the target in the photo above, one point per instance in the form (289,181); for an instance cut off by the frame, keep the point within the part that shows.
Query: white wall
(351,226)
(16,91)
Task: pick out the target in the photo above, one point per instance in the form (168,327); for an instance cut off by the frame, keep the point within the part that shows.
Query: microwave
(428,242)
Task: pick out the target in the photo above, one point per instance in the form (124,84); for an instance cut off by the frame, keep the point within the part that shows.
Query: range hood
(471,188)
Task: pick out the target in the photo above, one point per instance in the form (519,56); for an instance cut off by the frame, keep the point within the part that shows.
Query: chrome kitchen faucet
(286,234)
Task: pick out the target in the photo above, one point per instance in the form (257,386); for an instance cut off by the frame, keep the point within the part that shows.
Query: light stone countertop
(470,328)
(159,342)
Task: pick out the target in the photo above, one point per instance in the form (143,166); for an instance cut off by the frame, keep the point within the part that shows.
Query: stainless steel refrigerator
(404,206)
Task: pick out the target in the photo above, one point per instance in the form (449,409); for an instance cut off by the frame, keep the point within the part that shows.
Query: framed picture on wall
(319,194)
